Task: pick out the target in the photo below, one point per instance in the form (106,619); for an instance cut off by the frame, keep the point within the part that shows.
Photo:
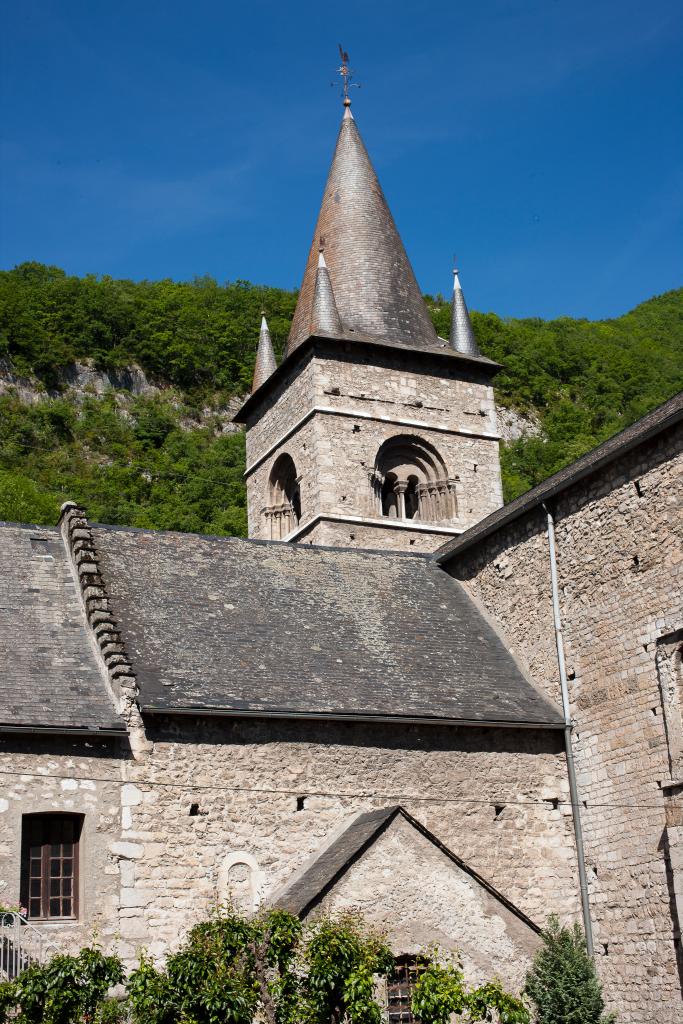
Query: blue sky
(540,141)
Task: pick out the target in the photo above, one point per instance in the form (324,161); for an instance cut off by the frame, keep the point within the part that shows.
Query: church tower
(373,432)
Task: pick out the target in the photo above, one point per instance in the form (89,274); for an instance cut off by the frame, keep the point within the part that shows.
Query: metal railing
(21,944)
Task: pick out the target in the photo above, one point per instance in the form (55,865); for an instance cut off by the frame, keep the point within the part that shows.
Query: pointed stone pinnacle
(325,317)
(265,357)
(462,335)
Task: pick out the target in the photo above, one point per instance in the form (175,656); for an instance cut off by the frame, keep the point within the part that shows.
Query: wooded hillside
(163,458)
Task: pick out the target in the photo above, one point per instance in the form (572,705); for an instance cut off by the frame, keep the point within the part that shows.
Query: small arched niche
(283,508)
(410,481)
(240,882)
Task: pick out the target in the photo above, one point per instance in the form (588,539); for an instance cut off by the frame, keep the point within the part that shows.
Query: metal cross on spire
(347,76)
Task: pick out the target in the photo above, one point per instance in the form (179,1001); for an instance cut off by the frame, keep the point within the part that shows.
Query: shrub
(562,982)
(67,989)
(441,992)
(236,970)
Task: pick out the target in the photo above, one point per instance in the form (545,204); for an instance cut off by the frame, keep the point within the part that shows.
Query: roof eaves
(64,730)
(348,716)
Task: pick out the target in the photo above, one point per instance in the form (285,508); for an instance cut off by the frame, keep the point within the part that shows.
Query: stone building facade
(205,792)
(339,415)
(368,715)
(618,524)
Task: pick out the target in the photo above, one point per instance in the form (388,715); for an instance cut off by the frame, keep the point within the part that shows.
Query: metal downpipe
(569,753)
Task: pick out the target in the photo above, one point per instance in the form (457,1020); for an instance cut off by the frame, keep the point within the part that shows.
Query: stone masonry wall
(620,563)
(291,400)
(409,889)
(39,775)
(231,808)
(369,398)
(345,533)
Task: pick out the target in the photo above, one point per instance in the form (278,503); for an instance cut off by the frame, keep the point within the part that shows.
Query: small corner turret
(462,337)
(265,357)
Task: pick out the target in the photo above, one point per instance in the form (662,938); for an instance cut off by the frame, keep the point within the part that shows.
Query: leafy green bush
(562,982)
(65,990)
(133,461)
(8,1001)
(237,970)
(441,992)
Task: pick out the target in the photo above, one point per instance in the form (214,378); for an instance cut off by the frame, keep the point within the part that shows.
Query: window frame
(411,966)
(41,830)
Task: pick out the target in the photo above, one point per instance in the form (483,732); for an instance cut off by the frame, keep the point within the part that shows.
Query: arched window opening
(410,481)
(283,511)
(412,497)
(389,502)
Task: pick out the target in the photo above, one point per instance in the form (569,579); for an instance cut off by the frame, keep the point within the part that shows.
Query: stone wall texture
(408,888)
(40,775)
(332,415)
(267,795)
(619,541)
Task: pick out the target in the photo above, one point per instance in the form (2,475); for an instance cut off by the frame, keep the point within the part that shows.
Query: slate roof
(662,418)
(309,885)
(328,865)
(49,678)
(373,282)
(251,627)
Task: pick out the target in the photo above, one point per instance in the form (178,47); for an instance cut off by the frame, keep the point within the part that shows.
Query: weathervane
(347,76)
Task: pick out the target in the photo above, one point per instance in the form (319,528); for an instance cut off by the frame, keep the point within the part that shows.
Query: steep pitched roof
(373,282)
(265,364)
(231,626)
(662,418)
(324,312)
(328,865)
(49,676)
(462,334)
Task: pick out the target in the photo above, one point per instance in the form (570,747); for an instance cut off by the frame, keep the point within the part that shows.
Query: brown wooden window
(400,987)
(49,865)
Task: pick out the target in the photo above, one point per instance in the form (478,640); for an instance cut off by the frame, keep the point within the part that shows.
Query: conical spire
(374,285)
(265,357)
(462,335)
(324,315)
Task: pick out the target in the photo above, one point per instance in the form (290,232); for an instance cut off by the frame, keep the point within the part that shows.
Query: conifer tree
(562,982)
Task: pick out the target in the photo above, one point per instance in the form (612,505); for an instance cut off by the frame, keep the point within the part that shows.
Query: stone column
(400,488)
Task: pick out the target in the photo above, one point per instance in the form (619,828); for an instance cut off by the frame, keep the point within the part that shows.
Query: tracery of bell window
(410,481)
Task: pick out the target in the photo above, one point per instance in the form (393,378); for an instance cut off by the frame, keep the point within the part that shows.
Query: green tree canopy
(164,461)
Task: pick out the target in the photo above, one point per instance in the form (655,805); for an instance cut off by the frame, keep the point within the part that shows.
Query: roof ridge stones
(117,667)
